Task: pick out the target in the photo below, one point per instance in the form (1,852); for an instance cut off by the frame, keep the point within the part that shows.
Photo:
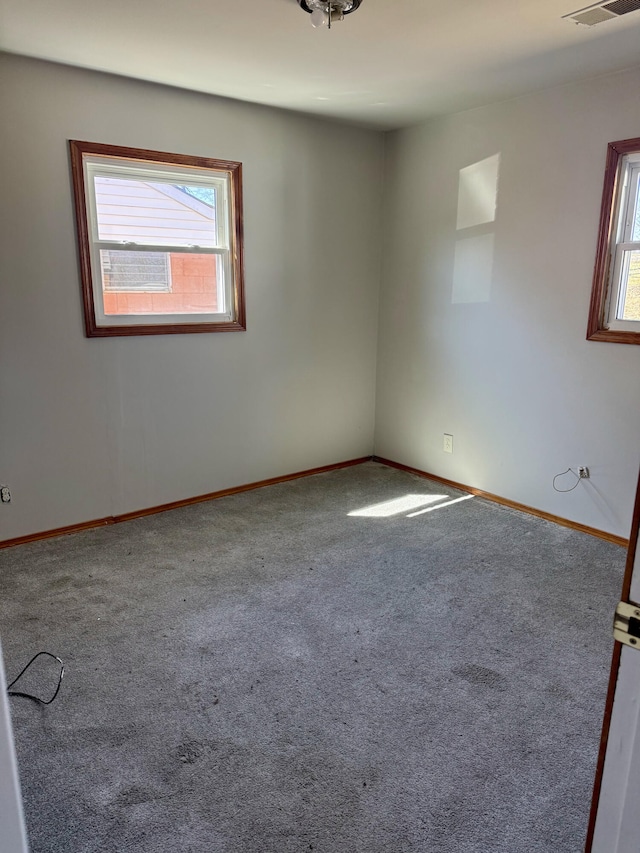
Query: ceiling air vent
(600,12)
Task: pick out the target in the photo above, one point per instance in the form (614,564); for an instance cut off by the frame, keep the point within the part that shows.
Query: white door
(615,824)
(13,838)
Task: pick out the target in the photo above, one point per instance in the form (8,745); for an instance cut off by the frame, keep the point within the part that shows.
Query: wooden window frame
(599,311)
(149,324)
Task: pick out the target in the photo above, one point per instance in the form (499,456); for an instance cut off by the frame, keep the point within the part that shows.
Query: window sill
(614,337)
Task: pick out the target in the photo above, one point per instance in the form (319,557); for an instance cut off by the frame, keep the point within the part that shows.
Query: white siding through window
(143,212)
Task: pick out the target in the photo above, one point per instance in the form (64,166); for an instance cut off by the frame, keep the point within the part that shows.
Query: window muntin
(160,241)
(615,301)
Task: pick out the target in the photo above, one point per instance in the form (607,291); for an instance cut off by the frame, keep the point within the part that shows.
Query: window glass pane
(629,305)
(636,216)
(194,284)
(147,212)
(137,271)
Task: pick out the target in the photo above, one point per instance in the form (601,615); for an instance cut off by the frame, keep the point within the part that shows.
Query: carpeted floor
(266,673)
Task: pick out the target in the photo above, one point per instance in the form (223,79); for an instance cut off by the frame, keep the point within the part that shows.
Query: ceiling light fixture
(324,13)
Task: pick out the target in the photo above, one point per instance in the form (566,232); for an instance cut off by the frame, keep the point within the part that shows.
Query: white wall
(89,428)
(512,378)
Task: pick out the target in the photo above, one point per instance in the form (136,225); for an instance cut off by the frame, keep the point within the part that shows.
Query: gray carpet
(266,674)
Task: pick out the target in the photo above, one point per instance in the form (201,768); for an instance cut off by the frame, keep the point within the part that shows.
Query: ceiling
(389,64)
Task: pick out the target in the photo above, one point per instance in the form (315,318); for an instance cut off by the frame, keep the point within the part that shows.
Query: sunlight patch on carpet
(440,506)
(397,506)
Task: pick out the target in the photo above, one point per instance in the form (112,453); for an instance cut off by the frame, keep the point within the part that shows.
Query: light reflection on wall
(477,205)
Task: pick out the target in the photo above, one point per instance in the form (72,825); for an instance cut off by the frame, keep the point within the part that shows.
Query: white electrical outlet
(447,444)
(5,494)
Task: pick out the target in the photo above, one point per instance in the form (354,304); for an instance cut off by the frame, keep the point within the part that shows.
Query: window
(615,299)
(160,241)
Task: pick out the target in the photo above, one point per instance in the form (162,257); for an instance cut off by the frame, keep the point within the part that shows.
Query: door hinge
(626,624)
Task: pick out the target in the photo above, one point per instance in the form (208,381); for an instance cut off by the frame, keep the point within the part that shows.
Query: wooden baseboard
(140,513)
(556,519)
(58,531)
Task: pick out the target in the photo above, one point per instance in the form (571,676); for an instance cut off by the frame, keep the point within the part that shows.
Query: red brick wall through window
(193,290)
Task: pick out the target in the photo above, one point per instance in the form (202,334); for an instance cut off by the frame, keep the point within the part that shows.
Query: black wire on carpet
(30,695)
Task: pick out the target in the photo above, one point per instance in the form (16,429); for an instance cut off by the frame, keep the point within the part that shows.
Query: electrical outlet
(583,472)
(5,494)
(447,444)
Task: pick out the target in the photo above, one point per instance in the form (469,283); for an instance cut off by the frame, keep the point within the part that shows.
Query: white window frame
(90,161)
(619,201)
